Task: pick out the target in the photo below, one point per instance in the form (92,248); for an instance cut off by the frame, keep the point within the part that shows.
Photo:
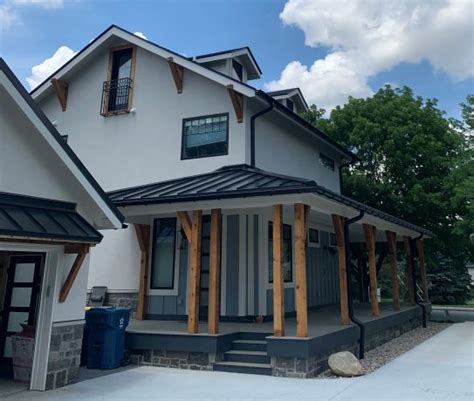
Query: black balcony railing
(116,96)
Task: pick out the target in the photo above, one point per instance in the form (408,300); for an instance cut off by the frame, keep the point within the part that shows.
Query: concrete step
(249,345)
(243,367)
(246,356)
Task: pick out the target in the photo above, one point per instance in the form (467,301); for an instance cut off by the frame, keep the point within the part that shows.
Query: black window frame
(185,120)
(153,256)
(312,230)
(270,257)
(327,162)
(331,242)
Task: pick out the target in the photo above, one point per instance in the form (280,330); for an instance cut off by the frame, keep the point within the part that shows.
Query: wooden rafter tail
(71,277)
(238,103)
(61,88)
(178,74)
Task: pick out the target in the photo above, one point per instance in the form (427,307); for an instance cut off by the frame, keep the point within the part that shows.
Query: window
(326,161)
(238,69)
(313,236)
(205,136)
(290,104)
(163,253)
(332,239)
(117,91)
(287,253)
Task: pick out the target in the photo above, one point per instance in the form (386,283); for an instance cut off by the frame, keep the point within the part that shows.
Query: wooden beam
(194,272)
(421,259)
(71,277)
(214,272)
(338,222)
(392,251)
(178,74)
(61,88)
(300,270)
(369,232)
(48,241)
(278,278)
(185,224)
(143,236)
(409,270)
(238,103)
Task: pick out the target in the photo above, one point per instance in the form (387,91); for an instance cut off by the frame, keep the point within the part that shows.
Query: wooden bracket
(61,89)
(185,224)
(178,74)
(238,103)
(71,277)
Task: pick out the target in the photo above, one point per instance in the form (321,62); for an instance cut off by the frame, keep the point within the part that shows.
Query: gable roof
(31,217)
(57,143)
(189,64)
(239,181)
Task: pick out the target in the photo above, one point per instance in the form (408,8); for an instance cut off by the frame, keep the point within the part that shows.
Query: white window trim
(177,256)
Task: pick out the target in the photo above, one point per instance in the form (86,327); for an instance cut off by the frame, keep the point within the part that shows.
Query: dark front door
(21,297)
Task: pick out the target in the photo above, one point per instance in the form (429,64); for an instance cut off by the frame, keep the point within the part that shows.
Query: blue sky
(32,31)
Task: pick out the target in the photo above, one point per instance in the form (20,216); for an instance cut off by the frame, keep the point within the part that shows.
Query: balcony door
(120,79)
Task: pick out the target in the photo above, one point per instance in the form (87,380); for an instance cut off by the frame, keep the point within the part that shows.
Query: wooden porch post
(392,251)
(278,291)
(409,270)
(421,258)
(338,222)
(214,272)
(194,272)
(370,241)
(301,222)
(143,237)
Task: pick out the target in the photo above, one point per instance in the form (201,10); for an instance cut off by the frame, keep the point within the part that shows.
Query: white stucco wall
(142,147)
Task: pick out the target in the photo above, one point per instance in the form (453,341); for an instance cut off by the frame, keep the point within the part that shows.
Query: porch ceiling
(253,188)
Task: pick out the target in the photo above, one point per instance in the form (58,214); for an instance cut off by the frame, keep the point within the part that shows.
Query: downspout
(413,277)
(349,285)
(252,130)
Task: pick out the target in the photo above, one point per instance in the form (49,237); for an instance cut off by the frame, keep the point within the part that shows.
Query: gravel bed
(383,354)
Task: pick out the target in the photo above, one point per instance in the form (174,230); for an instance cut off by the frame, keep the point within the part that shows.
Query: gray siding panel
(289,299)
(232,266)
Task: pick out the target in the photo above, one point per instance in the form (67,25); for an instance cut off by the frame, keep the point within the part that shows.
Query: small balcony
(116,96)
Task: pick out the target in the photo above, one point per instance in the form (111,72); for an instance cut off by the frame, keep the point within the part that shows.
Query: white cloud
(140,35)
(43,70)
(365,37)
(39,3)
(6,16)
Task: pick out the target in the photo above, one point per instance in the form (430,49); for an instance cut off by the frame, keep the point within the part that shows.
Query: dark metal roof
(26,216)
(54,132)
(238,181)
(282,92)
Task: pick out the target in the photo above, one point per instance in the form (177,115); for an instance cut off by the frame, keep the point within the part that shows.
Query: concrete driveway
(442,368)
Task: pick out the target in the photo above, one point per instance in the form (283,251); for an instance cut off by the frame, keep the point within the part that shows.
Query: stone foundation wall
(64,354)
(373,341)
(174,359)
(123,299)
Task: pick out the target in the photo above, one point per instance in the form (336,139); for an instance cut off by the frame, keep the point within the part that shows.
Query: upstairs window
(287,253)
(326,161)
(205,136)
(238,69)
(117,91)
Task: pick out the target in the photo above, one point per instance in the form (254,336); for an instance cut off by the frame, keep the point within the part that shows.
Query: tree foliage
(414,163)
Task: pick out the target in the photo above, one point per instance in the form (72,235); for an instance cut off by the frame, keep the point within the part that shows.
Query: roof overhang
(295,94)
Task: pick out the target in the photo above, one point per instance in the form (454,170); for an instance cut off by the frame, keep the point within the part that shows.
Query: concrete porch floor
(320,322)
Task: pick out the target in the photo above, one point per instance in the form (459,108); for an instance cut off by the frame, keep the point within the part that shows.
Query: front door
(21,297)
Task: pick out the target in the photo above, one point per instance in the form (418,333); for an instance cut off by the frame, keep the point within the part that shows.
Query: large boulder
(345,364)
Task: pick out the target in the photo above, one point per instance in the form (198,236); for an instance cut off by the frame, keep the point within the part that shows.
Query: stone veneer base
(174,359)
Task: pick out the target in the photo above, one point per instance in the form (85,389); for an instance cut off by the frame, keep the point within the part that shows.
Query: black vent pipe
(413,277)
(354,319)
(252,131)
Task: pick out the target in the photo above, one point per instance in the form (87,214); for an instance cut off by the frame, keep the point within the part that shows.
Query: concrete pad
(442,368)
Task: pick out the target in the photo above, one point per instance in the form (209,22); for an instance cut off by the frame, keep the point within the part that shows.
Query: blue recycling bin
(105,327)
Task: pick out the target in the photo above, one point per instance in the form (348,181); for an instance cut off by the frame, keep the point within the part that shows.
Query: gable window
(287,253)
(326,161)
(205,136)
(163,254)
(238,69)
(117,90)
(290,104)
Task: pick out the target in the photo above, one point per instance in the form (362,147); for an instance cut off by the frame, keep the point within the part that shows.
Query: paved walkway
(442,368)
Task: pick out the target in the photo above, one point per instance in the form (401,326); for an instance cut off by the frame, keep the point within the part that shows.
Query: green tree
(414,163)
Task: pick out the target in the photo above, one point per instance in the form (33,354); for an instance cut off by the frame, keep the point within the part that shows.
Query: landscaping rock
(345,364)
